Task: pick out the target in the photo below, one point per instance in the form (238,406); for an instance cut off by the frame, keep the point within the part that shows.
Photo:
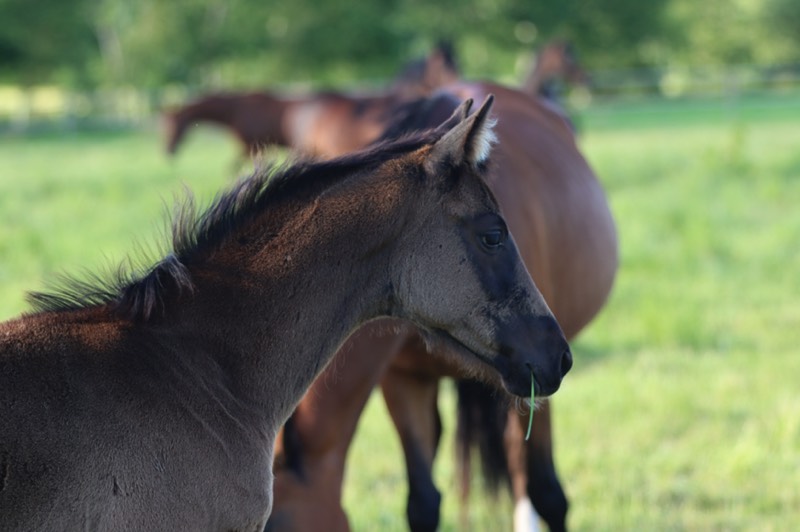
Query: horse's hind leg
(411,400)
(543,486)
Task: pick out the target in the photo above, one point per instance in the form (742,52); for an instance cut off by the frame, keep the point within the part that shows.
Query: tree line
(240,43)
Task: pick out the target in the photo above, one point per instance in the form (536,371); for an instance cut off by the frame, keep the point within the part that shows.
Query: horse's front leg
(544,487)
(533,472)
(411,399)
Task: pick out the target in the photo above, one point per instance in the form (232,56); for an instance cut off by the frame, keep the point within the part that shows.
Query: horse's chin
(492,369)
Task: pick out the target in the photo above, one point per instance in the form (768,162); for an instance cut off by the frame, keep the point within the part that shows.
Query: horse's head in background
(424,75)
(556,63)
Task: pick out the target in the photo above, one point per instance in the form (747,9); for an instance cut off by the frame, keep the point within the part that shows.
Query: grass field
(682,411)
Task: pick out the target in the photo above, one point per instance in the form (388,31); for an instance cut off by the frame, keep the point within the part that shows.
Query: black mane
(139,293)
(419,114)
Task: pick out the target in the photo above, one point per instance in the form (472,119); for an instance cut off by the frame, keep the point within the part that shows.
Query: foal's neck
(285,293)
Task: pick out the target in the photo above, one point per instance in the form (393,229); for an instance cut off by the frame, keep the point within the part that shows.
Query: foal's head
(459,273)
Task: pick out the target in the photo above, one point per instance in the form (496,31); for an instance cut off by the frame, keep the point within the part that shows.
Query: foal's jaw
(538,355)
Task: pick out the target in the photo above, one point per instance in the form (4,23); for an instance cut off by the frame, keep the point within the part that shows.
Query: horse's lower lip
(516,387)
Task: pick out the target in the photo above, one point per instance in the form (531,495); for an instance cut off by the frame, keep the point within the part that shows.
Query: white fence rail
(677,82)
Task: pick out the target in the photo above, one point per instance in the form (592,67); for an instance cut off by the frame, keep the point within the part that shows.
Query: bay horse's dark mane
(138,293)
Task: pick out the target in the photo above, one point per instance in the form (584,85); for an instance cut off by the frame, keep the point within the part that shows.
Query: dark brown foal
(152,402)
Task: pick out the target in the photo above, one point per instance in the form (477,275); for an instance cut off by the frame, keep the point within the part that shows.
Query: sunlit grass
(82,201)
(682,409)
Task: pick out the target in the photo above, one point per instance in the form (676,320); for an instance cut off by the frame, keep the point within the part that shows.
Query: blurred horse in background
(560,218)
(555,65)
(323,124)
(261,119)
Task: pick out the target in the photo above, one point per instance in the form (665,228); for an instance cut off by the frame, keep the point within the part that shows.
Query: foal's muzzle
(537,350)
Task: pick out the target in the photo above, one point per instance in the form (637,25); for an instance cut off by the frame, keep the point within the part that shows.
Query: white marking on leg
(525,518)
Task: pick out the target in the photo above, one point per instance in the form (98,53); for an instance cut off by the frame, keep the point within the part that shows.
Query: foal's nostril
(566,362)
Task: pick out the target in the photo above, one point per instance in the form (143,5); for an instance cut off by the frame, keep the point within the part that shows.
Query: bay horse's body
(153,402)
(560,217)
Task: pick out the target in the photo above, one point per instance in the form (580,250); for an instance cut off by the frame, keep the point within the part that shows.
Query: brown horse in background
(262,119)
(153,402)
(324,124)
(555,64)
(560,218)
(254,118)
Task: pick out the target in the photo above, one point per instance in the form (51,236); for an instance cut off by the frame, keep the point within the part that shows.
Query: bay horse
(555,64)
(152,402)
(560,217)
(261,119)
(323,124)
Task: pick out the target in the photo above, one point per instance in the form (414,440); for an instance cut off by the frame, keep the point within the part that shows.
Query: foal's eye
(492,240)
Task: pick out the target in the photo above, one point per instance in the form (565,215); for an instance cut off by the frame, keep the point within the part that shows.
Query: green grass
(682,411)
(82,201)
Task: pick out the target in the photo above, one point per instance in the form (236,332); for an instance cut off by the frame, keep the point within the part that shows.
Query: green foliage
(608,33)
(48,40)
(725,32)
(236,43)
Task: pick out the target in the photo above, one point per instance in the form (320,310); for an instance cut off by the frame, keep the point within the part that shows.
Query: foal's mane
(139,293)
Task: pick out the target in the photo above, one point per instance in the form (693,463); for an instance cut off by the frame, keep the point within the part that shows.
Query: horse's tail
(482,417)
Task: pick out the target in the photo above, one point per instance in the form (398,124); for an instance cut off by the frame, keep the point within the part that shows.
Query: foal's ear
(469,138)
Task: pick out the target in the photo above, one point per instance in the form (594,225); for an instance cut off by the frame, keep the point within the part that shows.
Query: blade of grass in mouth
(530,419)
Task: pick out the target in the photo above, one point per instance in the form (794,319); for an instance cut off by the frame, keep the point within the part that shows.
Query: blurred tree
(151,42)
(236,43)
(608,33)
(782,23)
(49,40)
(713,32)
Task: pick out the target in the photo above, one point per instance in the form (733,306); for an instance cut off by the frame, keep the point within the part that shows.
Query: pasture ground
(682,411)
